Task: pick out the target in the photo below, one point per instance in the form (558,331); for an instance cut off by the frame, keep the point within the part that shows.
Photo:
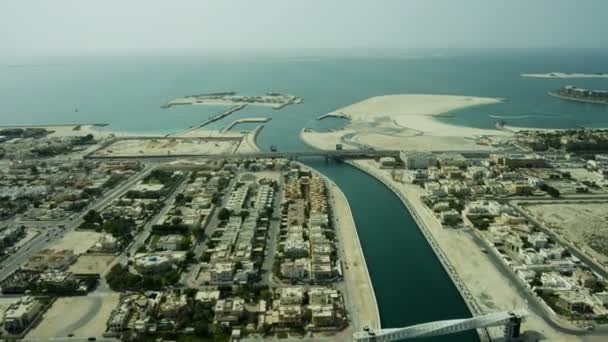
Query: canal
(410,283)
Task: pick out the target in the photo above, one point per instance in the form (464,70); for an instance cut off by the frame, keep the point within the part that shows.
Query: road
(141,237)
(594,265)
(42,241)
(272,239)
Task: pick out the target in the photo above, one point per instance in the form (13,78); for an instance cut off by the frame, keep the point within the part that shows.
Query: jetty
(211,119)
(244,120)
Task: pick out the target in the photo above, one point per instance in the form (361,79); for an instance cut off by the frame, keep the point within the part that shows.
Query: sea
(127,92)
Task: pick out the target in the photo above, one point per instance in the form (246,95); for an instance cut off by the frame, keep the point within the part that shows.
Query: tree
(224,214)
(93,217)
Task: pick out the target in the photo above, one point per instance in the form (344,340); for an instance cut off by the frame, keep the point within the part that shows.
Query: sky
(50,27)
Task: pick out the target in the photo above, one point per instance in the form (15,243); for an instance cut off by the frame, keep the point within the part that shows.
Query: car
(92,339)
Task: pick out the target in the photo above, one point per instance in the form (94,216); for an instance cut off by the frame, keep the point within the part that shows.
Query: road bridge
(261,155)
(510,319)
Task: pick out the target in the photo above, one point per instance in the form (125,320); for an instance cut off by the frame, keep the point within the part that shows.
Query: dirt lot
(168,146)
(92,264)
(585,224)
(78,241)
(81,316)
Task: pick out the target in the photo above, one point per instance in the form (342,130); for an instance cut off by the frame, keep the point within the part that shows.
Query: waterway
(410,284)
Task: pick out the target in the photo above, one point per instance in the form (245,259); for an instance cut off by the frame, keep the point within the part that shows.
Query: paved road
(141,237)
(41,242)
(273,237)
(593,264)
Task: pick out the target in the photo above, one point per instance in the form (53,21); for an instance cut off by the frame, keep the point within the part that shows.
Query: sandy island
(407,122)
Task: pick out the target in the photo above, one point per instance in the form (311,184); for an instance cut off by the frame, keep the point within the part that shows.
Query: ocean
(411,287)
(127,91)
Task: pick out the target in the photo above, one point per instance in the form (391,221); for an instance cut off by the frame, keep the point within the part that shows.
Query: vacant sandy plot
(78,241)
(92,264)
(81,316)
(168,146)
(585,224)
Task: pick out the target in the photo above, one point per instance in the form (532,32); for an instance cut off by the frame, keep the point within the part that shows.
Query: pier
(211,119)
(245,120)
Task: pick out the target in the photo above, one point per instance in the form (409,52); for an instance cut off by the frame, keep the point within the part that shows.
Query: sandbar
(407,122)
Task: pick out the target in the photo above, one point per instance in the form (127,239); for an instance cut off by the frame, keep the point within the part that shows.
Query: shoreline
(408,122)
(352,253)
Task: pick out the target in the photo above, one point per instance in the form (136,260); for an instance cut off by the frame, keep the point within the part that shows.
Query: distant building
(387,162)
(417,160)
(517,160)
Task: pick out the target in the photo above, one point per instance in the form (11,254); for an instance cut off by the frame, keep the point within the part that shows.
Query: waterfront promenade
(480,282)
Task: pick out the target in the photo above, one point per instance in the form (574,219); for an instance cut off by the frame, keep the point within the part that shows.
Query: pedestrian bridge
(451,326)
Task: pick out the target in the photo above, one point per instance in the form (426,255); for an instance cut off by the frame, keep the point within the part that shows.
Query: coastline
(481,284)
(407,122)
(365,311)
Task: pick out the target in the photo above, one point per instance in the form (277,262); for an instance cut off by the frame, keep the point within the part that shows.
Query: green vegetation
(120,279)
(224,214)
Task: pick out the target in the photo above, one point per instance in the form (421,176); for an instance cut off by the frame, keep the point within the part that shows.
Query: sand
(167,146)
(491,290)
(584,224)
(92,264)
(77,241)
(407,122)
(82,316)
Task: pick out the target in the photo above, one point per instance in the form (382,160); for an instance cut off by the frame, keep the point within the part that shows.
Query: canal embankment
(484,285)
(359,292)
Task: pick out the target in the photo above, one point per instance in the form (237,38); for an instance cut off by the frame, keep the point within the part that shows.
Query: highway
(42,241)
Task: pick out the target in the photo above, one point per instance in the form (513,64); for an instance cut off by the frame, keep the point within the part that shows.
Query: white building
(417,160)
(297,269)
(538,240)
(222,272)
(237,198)
(19,315)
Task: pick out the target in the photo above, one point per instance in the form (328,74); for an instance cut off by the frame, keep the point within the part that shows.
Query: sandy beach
(491,290)
(406,122)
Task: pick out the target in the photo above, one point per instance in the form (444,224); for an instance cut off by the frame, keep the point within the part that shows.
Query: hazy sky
(31,27)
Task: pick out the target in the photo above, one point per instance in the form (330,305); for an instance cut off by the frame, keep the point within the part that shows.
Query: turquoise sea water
(411,286)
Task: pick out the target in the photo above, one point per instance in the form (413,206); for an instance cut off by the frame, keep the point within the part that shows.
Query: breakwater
(211,119)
